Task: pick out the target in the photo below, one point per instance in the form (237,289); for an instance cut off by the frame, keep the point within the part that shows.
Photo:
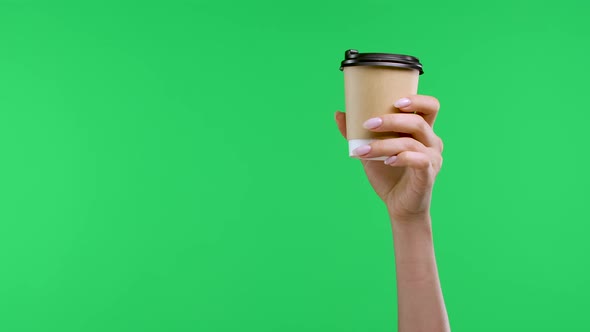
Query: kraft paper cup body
(371,91)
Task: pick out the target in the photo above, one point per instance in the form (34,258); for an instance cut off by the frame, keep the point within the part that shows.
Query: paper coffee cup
(373,82)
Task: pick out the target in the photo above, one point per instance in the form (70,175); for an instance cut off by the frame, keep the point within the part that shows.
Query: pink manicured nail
(402,103)
(390,160)
(373,123)
(361,150)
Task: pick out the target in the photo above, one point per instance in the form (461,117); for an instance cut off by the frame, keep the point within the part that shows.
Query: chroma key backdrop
(175,166)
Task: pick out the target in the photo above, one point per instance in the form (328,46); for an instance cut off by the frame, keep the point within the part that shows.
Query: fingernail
(402,103)
(390,160)
(361,150)
(373,123)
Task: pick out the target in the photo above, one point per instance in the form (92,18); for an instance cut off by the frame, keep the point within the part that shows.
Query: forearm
(420,301)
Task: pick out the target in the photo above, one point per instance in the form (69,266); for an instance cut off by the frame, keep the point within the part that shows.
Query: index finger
(426,106)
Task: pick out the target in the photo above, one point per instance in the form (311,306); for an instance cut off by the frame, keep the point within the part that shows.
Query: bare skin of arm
(404,182)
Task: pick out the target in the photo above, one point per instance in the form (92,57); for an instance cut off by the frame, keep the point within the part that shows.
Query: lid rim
(354,58)
(381,64)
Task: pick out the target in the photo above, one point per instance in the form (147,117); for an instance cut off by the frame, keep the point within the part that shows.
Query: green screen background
(174,166)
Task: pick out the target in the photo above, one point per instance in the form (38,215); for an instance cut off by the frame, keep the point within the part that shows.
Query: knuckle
(436,159)
(424,162)
(421,124)
(437,162)
(424,126)
(440,142)
(435,104)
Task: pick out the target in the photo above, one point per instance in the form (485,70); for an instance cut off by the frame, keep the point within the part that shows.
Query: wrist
(411,226)
(405,218)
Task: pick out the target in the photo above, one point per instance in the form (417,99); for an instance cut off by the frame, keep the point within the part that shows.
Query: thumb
(341,122)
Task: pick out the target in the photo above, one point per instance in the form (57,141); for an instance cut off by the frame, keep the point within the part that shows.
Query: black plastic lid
(354,58)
